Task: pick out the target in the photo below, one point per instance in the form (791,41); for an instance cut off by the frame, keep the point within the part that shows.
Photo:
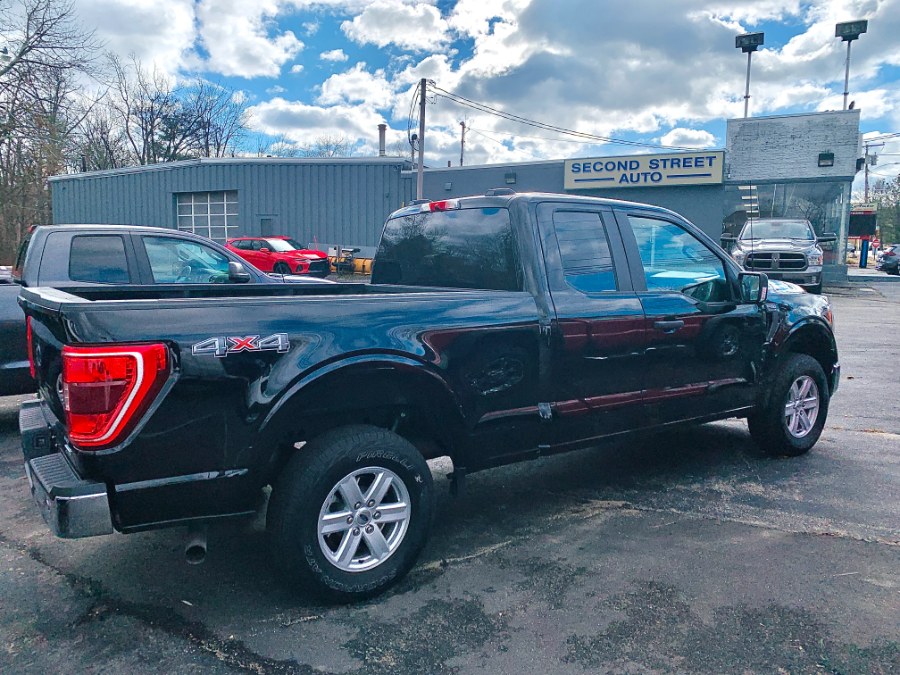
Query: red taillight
(445,205)
(889,254)
(30,341)
(106,389)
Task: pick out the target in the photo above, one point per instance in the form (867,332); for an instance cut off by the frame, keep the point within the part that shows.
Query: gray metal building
(328,201)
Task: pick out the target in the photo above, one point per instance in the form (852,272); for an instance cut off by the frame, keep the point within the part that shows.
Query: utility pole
(867,163)
(462,142)
(420,175)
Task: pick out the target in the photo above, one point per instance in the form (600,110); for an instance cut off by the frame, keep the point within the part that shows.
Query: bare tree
(40,107)
(220,117)
(42,33)
(329,146)
(101,142)
(156,124)
(279,147)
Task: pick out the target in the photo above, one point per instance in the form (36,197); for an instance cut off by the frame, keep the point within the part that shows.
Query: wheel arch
(395,393)
(813,338)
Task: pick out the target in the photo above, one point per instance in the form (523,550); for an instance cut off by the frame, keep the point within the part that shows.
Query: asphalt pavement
(680,553)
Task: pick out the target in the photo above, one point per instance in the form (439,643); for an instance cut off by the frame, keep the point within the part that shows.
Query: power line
(538,138)
(482,107)
(893,134)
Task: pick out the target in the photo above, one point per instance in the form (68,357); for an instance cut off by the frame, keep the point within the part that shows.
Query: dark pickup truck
(496,328)
(75,256)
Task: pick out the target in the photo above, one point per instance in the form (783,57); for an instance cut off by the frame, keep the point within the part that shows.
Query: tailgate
(47,336)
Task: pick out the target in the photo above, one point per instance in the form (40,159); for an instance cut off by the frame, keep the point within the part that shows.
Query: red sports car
(281,255)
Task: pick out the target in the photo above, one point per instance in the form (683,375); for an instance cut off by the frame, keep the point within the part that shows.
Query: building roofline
(814,113)
(202,161)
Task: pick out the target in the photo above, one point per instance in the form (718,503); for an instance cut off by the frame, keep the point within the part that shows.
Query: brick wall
(787,147)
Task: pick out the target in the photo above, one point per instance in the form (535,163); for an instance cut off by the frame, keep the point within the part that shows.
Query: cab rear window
(465,248)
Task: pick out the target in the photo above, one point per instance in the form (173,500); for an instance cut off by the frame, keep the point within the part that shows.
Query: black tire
(768,424)
(281,268)
(311,478)
(817,289)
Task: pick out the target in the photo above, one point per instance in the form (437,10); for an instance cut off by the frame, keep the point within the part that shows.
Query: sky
(654,72)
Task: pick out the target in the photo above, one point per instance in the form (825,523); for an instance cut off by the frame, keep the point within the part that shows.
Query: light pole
(748,43)
(849,31)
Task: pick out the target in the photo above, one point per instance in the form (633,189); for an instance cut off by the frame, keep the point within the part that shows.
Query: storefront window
(822,203)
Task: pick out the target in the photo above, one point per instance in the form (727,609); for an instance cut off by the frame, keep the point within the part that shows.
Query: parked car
(783,248)
(890,260)
(66,256)
(281,254)
(496,328)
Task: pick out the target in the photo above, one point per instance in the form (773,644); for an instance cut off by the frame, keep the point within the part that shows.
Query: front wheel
(790,420)
(351,512)
(281,268)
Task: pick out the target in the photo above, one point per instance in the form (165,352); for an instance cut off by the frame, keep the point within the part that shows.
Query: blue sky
(658,72)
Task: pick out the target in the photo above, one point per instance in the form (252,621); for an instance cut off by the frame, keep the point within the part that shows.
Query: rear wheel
(281,268)
(351,512)
(790,421)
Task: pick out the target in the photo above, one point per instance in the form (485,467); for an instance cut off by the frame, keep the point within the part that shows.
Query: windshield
(282,245)
(777,229)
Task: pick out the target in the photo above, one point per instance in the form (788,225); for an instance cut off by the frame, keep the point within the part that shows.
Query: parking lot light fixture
(748,43)
(849,31)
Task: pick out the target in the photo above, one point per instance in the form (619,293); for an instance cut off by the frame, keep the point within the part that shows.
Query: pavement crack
(230,652)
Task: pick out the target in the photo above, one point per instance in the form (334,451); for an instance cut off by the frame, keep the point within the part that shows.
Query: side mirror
(264,250)
(237,273)
(826,237)
(754,287)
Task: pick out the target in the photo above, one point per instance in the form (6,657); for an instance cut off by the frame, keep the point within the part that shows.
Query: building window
(209,214)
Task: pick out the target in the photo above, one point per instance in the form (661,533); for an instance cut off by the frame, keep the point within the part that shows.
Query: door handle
(668,326)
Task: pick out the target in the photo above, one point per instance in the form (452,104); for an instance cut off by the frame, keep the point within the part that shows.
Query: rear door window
(463,248)
(98,259)
(584,249)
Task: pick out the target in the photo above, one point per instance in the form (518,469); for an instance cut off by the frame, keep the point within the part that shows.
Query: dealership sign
(686,168)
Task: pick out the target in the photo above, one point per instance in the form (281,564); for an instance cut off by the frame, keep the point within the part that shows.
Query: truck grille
(776,261)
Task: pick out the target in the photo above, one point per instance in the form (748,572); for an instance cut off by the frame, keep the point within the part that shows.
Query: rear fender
(390,391)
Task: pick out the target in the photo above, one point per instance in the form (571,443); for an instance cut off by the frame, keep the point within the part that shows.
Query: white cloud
(296,69)
(310,28)
(357,85)
(241,37)
(276,89)
(416,27)
(160,34)
(336,55)
(689,138)
(302,123)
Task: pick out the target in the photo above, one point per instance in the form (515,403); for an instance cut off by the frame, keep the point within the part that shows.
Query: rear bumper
(71,506)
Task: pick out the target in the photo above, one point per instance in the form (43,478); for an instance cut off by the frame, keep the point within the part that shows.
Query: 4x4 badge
(225,345)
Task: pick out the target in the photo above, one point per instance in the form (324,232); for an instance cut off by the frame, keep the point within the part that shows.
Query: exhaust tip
(195,548)
(195,554)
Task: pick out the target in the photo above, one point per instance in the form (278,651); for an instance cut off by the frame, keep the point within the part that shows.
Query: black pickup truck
(75,256)
(496,328)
